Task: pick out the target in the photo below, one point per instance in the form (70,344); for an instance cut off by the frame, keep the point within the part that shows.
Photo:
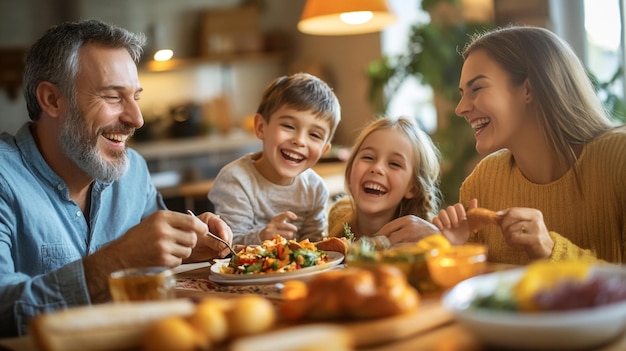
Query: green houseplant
(614,104)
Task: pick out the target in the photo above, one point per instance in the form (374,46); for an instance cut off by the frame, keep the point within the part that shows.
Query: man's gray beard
(81,147)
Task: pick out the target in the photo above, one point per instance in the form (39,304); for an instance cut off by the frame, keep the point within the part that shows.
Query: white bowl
(554,330)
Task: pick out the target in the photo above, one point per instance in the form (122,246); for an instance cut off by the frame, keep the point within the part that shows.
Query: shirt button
(78,213)
(60,186)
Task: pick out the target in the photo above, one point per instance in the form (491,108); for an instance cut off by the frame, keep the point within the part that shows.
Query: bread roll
(173,333)
(478,218)
(353,292)
(210,320)
(111,326)
(335,244)
(250,314)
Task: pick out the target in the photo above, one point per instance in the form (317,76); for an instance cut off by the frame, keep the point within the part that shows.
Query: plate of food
(335,260)
(543,306)
(273,261)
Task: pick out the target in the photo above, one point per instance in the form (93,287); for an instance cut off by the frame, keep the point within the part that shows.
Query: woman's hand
(452,222)
(407,228)
(524,227)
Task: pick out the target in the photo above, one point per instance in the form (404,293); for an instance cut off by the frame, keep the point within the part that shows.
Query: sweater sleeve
(566,250)
(232,203)
(315,223)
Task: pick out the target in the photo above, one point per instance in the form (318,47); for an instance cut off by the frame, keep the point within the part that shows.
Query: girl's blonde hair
(566,104)
(426,172)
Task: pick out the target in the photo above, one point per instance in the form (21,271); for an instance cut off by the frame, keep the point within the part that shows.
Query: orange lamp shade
(344,17)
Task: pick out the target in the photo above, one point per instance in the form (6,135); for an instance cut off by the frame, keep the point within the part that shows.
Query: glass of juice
(142,284)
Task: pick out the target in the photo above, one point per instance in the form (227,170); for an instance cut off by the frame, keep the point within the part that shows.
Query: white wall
(20,24)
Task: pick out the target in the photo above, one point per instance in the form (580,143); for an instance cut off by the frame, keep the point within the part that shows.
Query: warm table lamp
(344,17)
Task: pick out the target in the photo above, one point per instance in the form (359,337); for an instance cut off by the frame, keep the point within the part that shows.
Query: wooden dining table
(436,330)
(431,327)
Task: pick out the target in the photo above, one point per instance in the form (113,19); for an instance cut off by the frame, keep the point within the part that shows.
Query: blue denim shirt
(44,234)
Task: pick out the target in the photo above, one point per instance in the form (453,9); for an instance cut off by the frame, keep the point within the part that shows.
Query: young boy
(275,191)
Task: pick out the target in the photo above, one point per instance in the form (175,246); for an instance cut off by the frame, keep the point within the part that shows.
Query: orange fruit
(172,333)
(294,290)
(210,321)
(250,314)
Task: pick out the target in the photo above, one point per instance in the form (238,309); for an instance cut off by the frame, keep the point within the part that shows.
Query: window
(413,98)
(604,44)
(592,27)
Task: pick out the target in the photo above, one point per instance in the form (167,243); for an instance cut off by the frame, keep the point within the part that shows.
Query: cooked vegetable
(275,256)
(347,232)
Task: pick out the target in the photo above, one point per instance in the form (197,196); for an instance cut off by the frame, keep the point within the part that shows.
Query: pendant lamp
(157,43)
(344,17)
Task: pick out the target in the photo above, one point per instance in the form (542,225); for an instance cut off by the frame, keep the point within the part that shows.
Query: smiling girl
(392,177)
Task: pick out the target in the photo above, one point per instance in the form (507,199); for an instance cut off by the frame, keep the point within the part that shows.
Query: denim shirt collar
(28,149)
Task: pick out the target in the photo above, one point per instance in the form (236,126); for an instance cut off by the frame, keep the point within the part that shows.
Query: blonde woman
(392,178)
(556,164)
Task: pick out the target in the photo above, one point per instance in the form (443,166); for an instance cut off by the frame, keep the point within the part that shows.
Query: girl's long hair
(427,199)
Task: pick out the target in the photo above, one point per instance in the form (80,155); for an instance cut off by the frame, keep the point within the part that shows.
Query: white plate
(569,330)
(270,279)
(335,259)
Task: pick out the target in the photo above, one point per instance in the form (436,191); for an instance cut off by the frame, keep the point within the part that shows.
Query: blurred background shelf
(218,59)
(193,195)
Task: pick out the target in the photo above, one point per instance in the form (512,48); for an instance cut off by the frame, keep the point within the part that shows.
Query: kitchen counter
(331,172)
(183,169)
(176,161)
(184,147)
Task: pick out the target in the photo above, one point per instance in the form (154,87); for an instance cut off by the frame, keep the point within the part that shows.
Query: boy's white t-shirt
(247,201)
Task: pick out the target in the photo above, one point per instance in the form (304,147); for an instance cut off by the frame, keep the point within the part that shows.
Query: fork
(208,233)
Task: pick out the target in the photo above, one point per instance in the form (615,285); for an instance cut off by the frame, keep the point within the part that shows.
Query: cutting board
(430,314)
(86,328)
(364,334)
(347,336)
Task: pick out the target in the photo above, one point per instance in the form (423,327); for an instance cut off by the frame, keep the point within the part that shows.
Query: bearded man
(75,203)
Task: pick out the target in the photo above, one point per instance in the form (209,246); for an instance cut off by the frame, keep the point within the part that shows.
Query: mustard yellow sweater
(589,226)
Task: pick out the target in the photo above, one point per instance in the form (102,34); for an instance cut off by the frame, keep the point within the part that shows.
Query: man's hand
(165,238)
(207,247)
